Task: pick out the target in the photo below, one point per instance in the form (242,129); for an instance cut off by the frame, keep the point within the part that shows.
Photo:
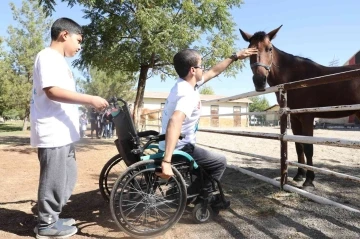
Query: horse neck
(289,68)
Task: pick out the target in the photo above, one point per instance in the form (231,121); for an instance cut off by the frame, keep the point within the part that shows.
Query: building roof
(355,59)
(271,107)
(164,95)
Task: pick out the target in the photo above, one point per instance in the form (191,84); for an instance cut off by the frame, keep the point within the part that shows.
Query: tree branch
(168,74)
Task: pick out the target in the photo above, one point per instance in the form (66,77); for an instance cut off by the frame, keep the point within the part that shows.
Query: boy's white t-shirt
(185,98)
(53,124)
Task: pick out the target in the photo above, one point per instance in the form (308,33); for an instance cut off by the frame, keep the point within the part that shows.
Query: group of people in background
(100,122)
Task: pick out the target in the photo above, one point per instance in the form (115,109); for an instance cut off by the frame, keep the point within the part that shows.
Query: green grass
(11,128)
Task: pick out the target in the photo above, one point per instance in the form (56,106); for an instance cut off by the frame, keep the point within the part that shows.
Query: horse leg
(310,175)
(301,159)
(308,130)
(357,114)
(296,128)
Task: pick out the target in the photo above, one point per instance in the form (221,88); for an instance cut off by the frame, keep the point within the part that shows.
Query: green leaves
(125,34)
(206,90)
(107,85)
(259,104)
(25,39)
(142,36)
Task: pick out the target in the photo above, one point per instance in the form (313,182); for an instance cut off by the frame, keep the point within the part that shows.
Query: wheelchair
(116,166)
(142,203)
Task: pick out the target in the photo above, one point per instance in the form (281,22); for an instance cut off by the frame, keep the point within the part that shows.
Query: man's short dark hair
(185,59)
(65,24)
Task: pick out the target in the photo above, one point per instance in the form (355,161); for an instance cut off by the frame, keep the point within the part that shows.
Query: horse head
(262,62)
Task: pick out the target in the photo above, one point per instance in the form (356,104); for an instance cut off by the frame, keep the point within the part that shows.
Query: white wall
(153,104)
(224,108)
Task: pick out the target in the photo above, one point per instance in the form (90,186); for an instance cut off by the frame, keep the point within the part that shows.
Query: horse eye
(269,49)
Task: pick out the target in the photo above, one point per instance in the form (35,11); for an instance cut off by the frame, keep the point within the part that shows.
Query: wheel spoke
(145,208)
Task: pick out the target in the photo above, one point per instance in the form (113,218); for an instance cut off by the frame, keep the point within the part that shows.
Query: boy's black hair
(185,59)
(65,24)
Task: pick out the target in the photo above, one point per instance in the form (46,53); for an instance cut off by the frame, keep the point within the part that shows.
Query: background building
(156,100)
(272,119)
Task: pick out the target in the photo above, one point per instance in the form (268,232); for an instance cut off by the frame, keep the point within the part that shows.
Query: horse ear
(272,34)
(245,36)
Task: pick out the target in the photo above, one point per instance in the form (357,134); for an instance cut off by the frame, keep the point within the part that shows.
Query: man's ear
(192,71)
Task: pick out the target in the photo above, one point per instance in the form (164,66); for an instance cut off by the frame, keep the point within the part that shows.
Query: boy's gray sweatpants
(58,174)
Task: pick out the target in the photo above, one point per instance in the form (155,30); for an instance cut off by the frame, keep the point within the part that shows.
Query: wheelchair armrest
(161,137)
(157,138)
(147,133)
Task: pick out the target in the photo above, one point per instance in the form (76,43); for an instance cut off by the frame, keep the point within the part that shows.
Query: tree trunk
(27,113)
(138,104)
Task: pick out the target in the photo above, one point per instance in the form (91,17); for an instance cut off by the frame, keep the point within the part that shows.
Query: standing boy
(55,126)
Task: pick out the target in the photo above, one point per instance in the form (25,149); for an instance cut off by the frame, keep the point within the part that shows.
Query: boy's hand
(99,103)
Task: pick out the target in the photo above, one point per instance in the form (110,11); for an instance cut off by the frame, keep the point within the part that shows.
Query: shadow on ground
(14,143)
(89,209)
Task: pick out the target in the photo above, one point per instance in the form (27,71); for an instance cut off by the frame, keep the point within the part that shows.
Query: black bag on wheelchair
(128,142)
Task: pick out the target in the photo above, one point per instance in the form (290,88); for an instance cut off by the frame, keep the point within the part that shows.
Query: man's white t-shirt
(185,98)
(53,124)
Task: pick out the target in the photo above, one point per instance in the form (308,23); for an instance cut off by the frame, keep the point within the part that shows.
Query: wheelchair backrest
(128,143)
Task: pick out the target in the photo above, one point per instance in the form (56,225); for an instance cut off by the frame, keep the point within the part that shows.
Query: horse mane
(258,36)
(299,58)
(296,58)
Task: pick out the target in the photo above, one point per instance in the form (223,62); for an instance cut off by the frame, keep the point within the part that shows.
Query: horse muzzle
(259,82)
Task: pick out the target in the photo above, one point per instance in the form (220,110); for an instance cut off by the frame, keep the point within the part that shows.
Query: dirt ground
(258,209)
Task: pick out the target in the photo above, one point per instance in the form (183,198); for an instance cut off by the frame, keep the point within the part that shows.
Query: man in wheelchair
(181,115)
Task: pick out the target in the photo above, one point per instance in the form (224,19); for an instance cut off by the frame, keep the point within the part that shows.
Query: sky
(322,30)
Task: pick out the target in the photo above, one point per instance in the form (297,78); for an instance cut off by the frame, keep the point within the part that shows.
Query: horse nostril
(258,79)
(259,82)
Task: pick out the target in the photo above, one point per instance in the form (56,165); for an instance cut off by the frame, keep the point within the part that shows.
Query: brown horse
(276,67)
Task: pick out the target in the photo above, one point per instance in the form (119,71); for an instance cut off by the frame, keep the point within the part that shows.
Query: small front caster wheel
(200,215)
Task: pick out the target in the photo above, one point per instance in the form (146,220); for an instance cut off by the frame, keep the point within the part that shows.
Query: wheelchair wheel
(200,216)
(109,173)
(144,205)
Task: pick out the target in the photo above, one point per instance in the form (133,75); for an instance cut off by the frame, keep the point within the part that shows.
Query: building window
(237,109)
(214,108)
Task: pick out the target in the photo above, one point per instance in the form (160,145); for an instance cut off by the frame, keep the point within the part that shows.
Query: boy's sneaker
(64,221)
(57,230)
(67,221)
